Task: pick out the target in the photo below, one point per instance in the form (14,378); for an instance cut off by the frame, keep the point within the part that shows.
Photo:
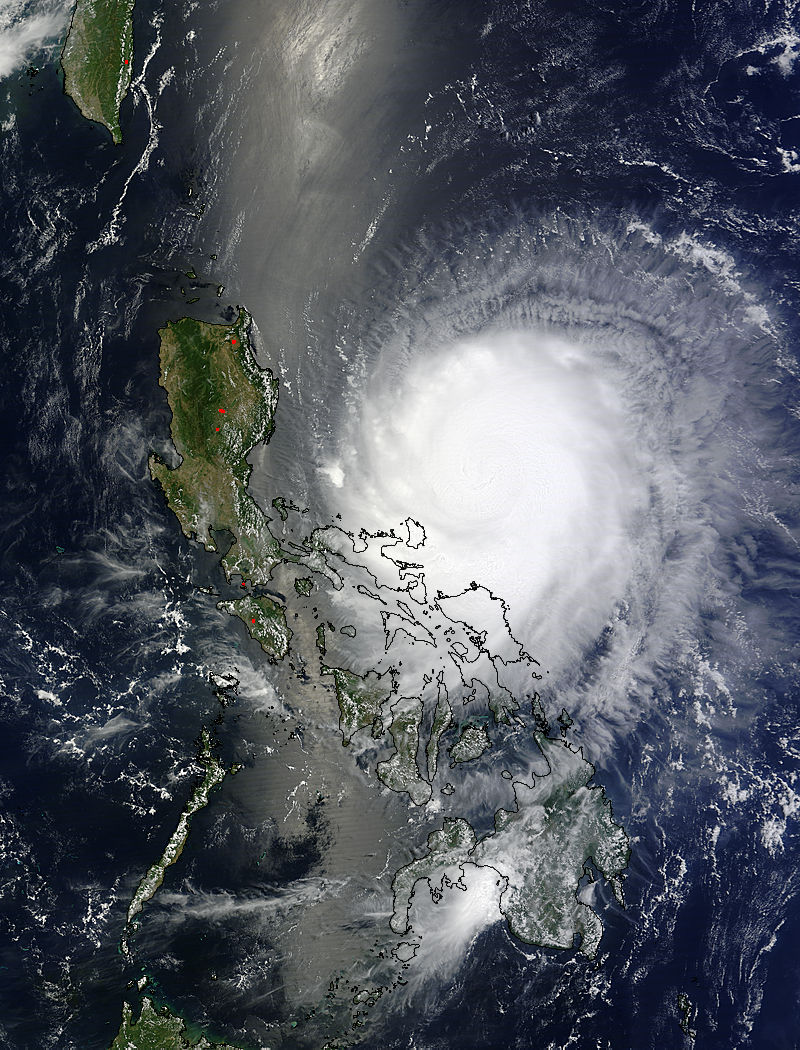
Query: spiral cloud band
(559,409)
(512,451)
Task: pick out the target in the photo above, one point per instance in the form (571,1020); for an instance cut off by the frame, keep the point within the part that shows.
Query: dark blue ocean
(631,141)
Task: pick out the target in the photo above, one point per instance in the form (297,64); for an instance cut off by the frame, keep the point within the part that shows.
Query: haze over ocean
(527,276)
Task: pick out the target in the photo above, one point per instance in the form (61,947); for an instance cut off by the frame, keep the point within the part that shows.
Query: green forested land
(222,405)
(98,58)
(265,620)
(158,1029)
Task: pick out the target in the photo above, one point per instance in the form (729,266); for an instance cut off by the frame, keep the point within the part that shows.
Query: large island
(97,59)
(157,1029)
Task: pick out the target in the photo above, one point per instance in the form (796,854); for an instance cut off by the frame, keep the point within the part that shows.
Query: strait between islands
(561,828)
(223,404)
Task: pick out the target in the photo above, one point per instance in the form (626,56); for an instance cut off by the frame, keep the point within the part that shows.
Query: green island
(214,775)
(541,850)
(688,1014)
(98,58)
(442,720)
(400,772)
(222,405)
(321,643)
(304,585)
(471,744)
(283,506)
(265,620)
(157,1029)
(360,700)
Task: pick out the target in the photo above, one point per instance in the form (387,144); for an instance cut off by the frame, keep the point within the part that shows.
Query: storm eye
(514,451)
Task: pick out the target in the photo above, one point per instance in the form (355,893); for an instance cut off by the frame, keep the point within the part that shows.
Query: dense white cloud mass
(513,451)
(570,411)
(26,28)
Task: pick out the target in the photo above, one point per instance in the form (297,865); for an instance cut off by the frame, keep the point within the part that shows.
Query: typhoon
(569,406)
(532,477)
(401,537)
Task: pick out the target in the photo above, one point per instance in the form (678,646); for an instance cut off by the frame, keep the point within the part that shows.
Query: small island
(360,700)
(473,740)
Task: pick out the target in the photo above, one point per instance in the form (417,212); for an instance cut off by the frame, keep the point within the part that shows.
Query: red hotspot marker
(243,584)
(254,619)
(126,61)
(233,341)
(222,410)
(217,428)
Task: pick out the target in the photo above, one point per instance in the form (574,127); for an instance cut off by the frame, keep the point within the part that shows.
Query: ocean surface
(615,186)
